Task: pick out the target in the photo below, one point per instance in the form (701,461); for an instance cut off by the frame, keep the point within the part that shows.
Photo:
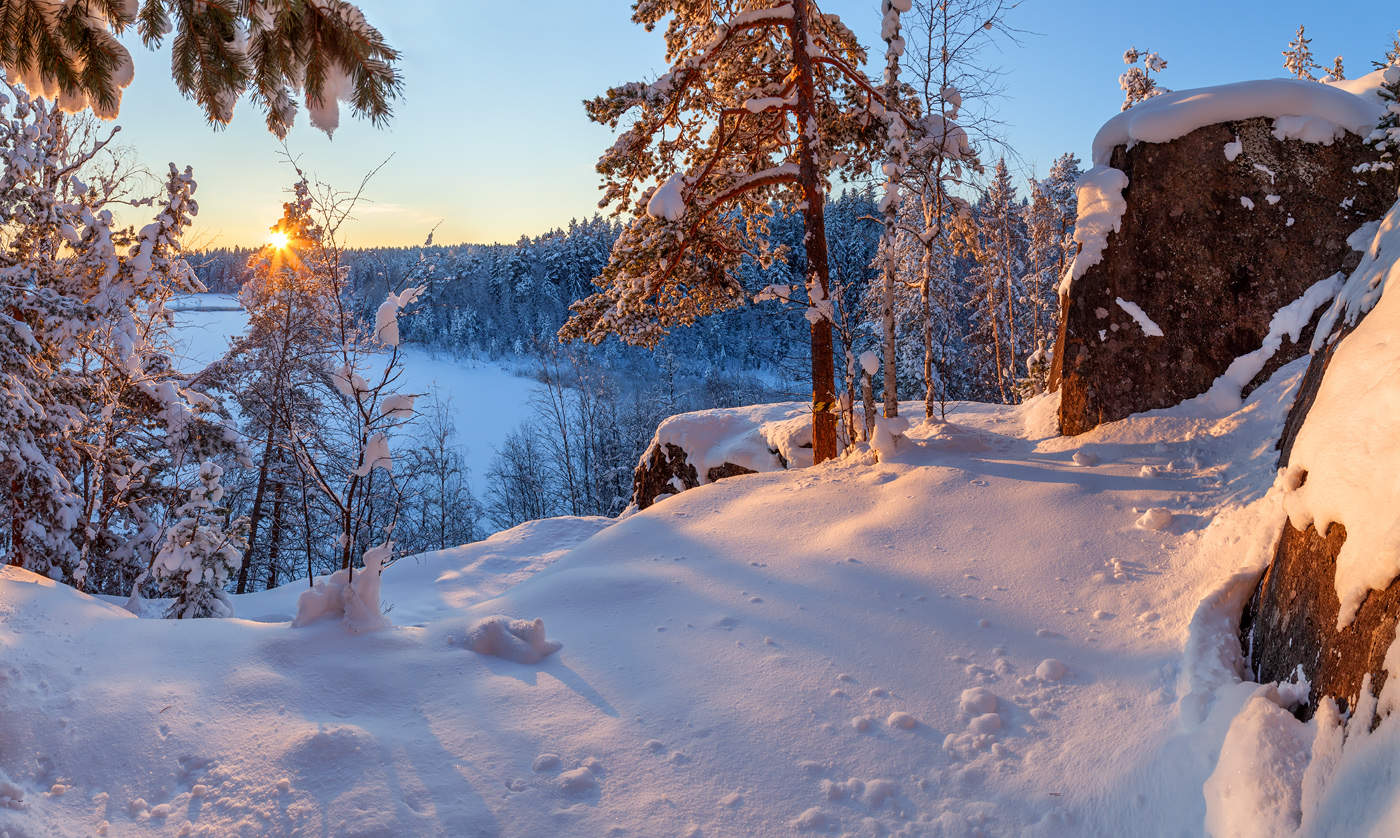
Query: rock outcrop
(665,470)
(1336,554)
(692,449)
(1291,619)
(1215,239)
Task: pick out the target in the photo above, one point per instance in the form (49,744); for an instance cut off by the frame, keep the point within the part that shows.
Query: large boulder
(1222,227)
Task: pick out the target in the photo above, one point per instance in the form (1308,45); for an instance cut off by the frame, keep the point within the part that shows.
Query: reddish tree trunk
(814,226)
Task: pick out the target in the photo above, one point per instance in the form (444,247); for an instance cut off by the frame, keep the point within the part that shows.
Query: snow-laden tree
(200,551)
(142,424)
(1298,58)
(948,45)
(92,421)
(1050,219)
(1137,82)
(896,160)
(1337,72)
(999,257)
(1386,137)
(275,51)
(763,102)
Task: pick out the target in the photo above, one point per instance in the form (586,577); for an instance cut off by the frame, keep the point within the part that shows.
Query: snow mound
(1155,519)
(1317,112)
(522,641)
(1256,788)
(354,599)
(766,437)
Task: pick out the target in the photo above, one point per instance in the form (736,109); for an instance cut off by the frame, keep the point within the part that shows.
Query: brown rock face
(1291,620)
(661,471)
(1205,268)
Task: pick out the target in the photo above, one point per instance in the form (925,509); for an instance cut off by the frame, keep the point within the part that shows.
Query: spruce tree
(1298,58)
(763,103)
(996,277)
(200,552)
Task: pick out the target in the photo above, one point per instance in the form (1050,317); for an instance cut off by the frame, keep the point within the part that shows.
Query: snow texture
(721,647)
(667,201)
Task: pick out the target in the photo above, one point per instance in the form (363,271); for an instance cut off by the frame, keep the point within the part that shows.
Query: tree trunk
(814,226)
(891,220)
(926,315)
(256,517)
(16,522)
(274,534)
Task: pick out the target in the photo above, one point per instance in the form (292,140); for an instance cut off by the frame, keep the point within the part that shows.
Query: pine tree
(270,49)
(1337,73)
(1137,82)
(1298,58)
(786,107)
(200,552)
(1392,54)
(142,425)
(275,370)
(1386,136)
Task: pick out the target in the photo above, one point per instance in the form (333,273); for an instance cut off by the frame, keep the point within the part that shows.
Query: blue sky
(491,137)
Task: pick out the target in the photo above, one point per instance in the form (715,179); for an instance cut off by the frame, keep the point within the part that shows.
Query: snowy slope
(488,401)
(999,631)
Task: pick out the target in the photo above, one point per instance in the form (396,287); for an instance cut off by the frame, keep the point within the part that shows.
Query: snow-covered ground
(996,631)
(488,401)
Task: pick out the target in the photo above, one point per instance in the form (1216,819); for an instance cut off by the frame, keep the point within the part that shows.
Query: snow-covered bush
(200,552)
(350,594)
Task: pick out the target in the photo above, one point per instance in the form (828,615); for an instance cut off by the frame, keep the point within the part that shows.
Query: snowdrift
(932,645)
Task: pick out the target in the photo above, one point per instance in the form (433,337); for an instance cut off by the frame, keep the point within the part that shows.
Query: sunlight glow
(278,239)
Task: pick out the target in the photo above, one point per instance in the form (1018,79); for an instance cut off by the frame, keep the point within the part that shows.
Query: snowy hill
(983,635)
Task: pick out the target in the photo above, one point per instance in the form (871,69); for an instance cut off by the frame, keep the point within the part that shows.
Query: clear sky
(491,137)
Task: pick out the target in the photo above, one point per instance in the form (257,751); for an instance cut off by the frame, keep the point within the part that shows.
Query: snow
(1344,467)
(1256,788)
(667,202)
(1302,109)
(759,438)
(971,637)
(1101,208)
(1224,394)
(522,641)
(1139,316)
(1233,149)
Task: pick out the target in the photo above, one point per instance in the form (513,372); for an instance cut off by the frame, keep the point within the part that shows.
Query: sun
(278,239)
